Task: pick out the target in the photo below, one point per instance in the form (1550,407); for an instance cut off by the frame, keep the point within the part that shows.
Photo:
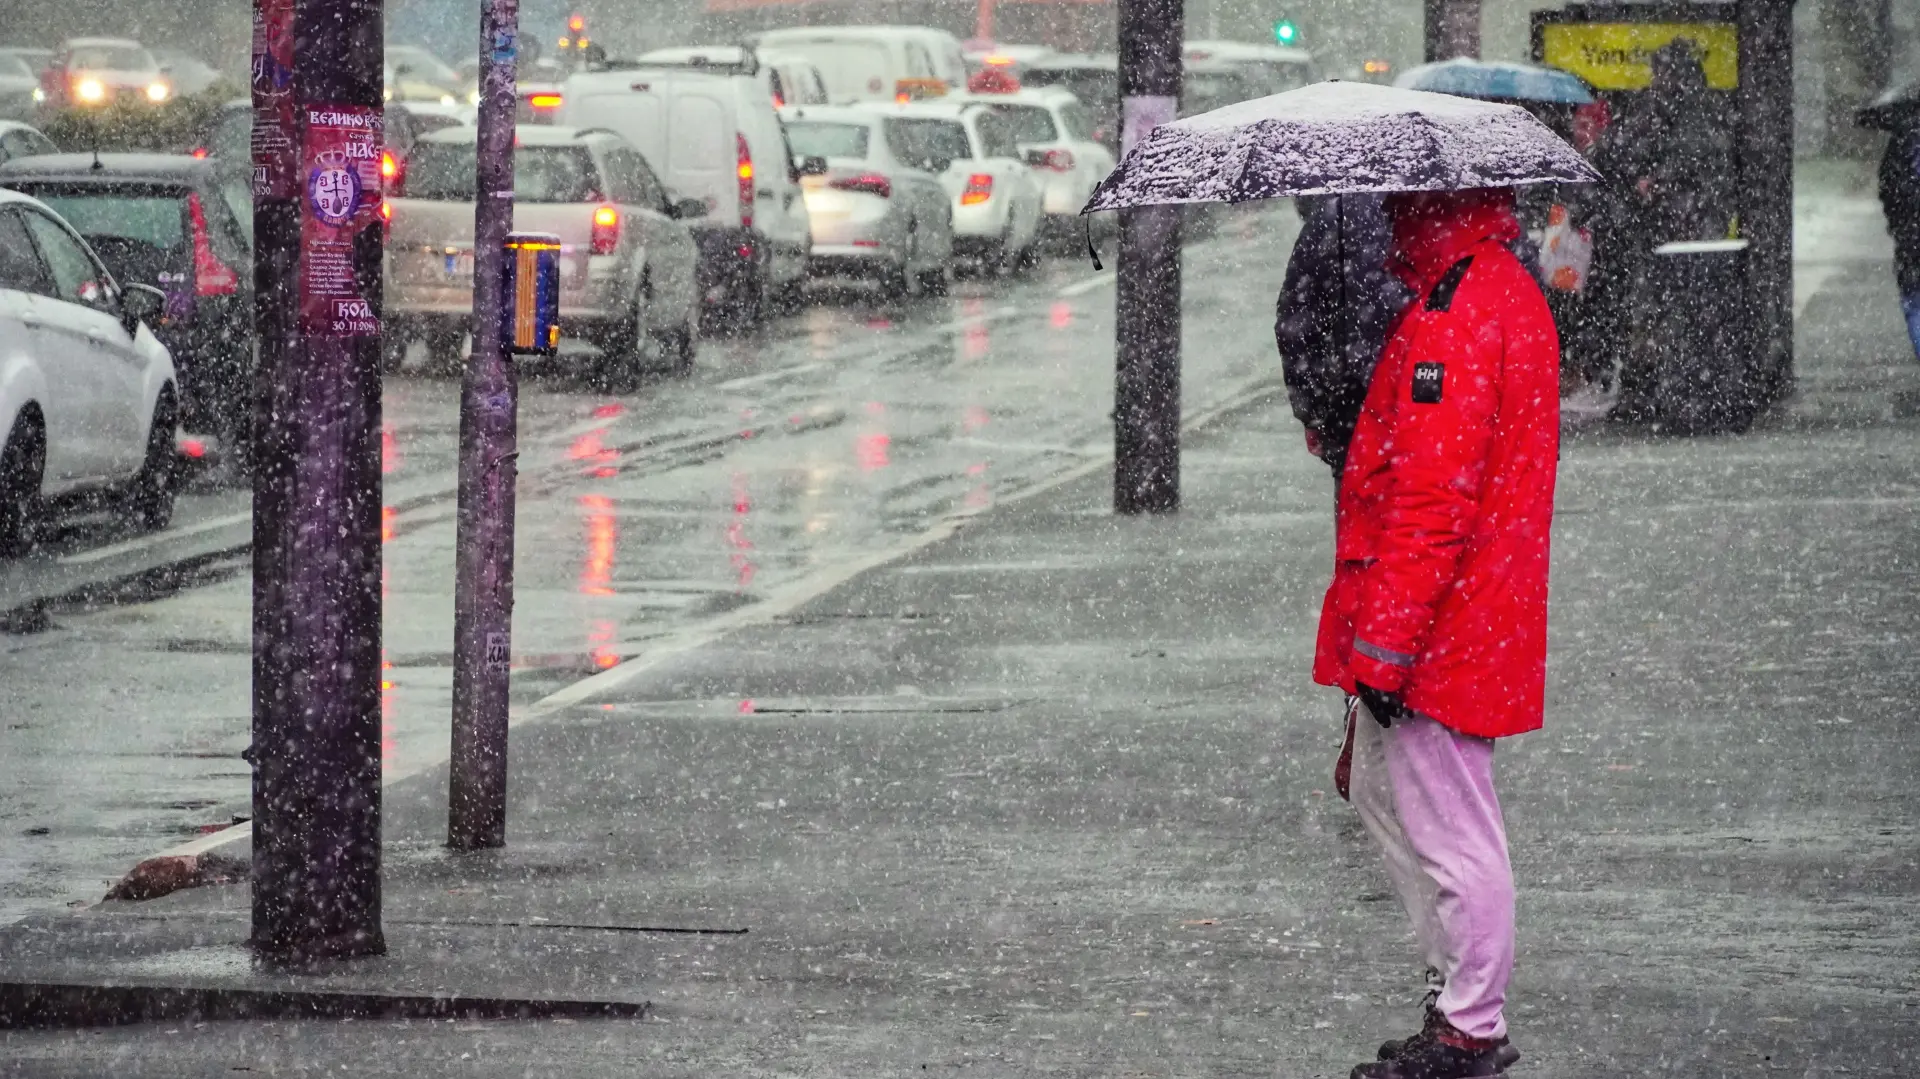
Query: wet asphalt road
(815,442)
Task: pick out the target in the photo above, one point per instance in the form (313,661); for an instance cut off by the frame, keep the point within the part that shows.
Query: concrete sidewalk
(1052,797)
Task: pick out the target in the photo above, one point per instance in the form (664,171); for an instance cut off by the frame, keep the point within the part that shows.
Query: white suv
(87,396)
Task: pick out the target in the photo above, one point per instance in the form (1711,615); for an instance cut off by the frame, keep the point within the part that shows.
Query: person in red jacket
(1437,616)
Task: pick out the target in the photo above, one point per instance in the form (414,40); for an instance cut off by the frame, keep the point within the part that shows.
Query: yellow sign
(1615,55)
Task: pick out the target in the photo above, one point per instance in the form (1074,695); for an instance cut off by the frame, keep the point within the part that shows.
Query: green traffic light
(1284,32)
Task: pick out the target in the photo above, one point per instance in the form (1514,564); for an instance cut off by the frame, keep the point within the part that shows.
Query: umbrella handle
(1091,252)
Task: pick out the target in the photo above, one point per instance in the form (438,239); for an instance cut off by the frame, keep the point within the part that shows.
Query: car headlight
(39,96)
(473,97)
(447,99)
(157,91)
(89,90)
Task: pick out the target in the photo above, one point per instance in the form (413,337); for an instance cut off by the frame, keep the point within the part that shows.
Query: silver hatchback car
(875,213)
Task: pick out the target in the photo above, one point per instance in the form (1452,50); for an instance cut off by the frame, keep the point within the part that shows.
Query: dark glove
(1384,707)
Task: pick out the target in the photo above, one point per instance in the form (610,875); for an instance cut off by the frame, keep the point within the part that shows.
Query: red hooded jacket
(1446,504)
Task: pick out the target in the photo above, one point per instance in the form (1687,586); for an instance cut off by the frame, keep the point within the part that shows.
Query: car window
(996,137)
(918,141)
(14,67)
(1078,123)
(919,64)
(21,142)
(238,195)
(632,181)
(443,172)
(76,276)
(818,138)
(110,58)
(1029,123)
(231,244)
(20,266)
(139,230)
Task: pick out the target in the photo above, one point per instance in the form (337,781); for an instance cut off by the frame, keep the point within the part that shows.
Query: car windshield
(1030,123)
(851,69)
(815,139)
(139,231)
(443,172)
(14,67)
(110,58)
(422,64)
(933,140)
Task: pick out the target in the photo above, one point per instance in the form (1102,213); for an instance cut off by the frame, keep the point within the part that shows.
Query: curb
(29,1005)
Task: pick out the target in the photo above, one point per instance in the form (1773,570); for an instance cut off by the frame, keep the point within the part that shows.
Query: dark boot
(1394,1047)
(1443,1053)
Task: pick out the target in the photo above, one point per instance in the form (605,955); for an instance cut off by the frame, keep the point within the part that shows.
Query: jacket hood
(1433,229)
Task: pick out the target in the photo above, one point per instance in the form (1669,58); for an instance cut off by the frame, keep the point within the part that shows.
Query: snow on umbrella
(1894,110)
(1497,81)
(1336,138)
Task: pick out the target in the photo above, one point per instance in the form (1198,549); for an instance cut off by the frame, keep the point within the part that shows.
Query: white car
(94,71)
(87,397)
(1267,69)
(18,81)
(997,202)
(877,63)
(22,140)
(874,213)
(712,135)
(627,271)
(789,78)
(1055,132)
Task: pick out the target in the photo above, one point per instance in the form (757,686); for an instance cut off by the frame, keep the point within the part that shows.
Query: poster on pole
(339,198)
(273,115)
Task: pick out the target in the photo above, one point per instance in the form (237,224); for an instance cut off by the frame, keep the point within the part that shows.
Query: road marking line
(782,602)
(767,376)
(1091,283)
(129,546)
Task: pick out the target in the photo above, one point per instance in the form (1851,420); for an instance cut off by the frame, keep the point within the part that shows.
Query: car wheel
(617,368)
(937,281)
(677,349)
(22,463)
(150,498)
(896,283)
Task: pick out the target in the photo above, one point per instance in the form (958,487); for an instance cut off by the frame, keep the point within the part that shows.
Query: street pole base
(357,944)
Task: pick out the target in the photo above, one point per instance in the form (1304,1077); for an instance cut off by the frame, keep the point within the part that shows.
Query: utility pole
(483,571)
(1452,29)
(316,487)
(1146,405)
(1764,147)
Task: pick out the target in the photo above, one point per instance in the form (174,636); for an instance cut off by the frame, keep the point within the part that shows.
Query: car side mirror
(687,209)
(813,166)
(140,303)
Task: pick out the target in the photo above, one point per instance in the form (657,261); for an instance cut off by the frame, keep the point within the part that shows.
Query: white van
(877,63)
(789,78)
(712,135)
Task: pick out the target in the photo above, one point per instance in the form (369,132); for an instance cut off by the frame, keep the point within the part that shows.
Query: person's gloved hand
(1383,706)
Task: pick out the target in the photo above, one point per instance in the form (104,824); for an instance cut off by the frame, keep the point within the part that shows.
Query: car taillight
(1058,160)
(544,102)
(199,153)
(979,189)
(606,230)
(389,170)
(745,172)
(211,277)
(869,183)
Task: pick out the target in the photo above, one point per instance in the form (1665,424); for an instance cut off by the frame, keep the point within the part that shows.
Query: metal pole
(483,574)
(1452,29)
(1765,147)
(316,485)
(1146,406)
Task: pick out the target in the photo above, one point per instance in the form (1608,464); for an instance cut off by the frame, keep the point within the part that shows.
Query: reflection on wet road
(819,440)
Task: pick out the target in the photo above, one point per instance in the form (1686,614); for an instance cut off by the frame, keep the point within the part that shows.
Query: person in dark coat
(1335,308)
(1900,199)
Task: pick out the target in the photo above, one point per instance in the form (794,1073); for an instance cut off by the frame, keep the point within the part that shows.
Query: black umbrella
(1894,110)
(1340,137)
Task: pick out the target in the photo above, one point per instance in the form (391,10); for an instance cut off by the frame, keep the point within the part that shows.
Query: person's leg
(1910,306)
(1372,793)
(1442,785)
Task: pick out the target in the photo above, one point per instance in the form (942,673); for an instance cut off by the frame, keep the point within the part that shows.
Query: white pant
(1425,793)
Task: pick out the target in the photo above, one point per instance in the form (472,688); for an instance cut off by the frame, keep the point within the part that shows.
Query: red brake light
(979,189)
(745,172)
(211,277)
(389,168)
(870,183)
(544,101)
(200,153)
(606,230)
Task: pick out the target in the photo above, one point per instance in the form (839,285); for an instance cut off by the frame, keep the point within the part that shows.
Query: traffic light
(1285,32)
